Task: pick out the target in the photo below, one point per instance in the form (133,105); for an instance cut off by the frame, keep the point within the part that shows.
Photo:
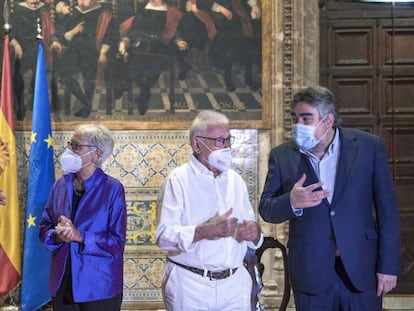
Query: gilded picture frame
(174,102)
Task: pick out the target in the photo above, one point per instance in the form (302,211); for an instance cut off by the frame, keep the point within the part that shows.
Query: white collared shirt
(191,195)
(326,167)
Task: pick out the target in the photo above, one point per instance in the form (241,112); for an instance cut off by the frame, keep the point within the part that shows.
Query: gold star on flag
(31,221)
(49,141)
(33,137)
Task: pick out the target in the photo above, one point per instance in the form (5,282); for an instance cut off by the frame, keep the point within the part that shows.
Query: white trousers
(184,290)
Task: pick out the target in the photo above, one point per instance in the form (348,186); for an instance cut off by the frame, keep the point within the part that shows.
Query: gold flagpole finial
(6,14)
(39,30)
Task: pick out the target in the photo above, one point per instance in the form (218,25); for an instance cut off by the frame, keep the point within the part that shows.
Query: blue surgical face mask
(304,135)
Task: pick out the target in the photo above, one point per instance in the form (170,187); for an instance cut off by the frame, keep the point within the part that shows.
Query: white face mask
(220,159)
(72,162)
(304,135)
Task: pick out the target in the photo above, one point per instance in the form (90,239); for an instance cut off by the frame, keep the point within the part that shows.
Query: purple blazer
(97,264)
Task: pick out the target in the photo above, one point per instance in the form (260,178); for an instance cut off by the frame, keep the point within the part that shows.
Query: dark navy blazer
(362,217)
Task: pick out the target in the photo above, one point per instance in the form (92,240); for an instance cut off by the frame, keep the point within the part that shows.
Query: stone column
(291,61)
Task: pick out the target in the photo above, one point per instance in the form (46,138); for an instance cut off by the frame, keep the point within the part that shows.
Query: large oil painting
(139,64)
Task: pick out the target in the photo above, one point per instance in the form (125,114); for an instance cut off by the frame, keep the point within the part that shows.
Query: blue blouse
(97,263)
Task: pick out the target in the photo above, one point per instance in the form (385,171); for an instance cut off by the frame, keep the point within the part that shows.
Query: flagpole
(6,15)
(7,27)
(36,258)
(39,36)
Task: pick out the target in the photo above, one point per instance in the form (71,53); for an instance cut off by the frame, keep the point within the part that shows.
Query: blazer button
(332,213)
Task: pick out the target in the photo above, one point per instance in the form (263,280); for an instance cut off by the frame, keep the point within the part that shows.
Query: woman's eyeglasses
(77,147)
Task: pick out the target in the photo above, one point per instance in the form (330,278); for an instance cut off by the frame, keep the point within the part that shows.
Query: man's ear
(330,118)
(195,145)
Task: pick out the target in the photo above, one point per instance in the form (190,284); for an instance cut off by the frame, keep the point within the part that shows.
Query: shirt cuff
(297,211)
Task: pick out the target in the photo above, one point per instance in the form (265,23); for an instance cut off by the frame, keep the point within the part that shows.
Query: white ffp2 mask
(71,162)
(221,159)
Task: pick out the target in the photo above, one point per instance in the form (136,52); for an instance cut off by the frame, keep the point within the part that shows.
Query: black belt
(217,275)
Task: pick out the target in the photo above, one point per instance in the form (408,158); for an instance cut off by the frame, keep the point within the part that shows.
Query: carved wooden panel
(399,143)
(353,45)
(350,70)
(396,98)
(406,279)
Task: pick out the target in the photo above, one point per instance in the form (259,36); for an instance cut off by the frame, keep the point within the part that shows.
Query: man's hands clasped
(223,226)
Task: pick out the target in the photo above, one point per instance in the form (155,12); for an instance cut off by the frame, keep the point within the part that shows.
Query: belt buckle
(219,275)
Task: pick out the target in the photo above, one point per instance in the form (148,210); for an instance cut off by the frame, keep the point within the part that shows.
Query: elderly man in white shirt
(206,224)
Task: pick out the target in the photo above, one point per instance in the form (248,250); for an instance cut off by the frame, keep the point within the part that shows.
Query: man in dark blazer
(334,186)
(88,33)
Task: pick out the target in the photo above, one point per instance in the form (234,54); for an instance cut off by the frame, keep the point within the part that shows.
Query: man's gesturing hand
(303,197)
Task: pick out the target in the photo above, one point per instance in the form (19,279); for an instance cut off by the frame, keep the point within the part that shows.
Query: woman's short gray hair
(98,135)
(205,120)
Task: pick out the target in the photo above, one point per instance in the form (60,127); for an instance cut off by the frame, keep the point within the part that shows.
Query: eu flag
(36,258)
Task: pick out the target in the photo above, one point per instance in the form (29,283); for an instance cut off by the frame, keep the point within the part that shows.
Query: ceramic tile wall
(141,160)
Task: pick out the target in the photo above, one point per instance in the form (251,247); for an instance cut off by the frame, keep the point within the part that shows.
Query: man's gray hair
(205,120)
(321,98)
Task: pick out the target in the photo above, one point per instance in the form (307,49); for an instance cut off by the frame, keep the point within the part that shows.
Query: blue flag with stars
(36,258)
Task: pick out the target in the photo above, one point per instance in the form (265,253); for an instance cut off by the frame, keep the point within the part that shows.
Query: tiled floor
(203,88)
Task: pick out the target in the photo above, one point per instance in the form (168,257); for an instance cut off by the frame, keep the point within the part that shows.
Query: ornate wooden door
(367,60)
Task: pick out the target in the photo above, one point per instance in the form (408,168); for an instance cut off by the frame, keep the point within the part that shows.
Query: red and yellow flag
(10,252)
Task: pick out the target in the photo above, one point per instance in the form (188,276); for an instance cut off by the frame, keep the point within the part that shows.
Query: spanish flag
(10,253)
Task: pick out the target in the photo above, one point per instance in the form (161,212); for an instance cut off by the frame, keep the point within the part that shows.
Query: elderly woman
(84,226)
